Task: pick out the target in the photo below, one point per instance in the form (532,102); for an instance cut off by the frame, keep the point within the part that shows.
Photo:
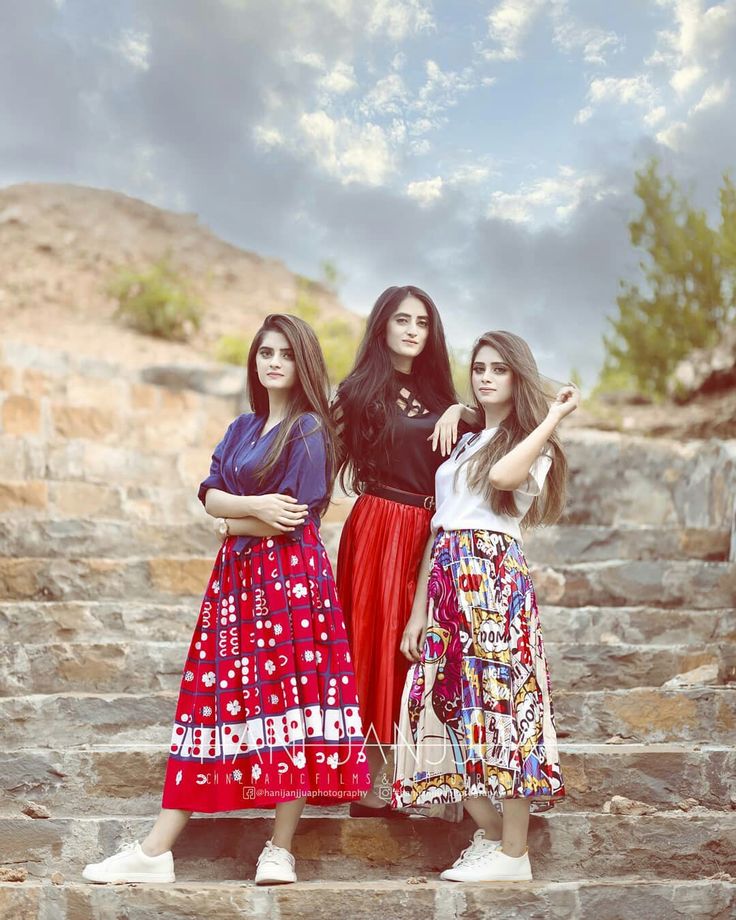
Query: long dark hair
(310,392)
(365,405)
(530,406)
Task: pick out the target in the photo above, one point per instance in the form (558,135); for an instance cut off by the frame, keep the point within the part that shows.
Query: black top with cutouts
(411,463)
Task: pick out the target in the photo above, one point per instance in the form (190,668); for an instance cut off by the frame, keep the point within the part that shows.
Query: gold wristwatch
(223,528)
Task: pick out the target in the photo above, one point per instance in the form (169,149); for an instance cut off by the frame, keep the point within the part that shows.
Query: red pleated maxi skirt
(268,710)
(380,551)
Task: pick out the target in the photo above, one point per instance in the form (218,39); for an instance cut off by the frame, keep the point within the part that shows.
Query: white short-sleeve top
(460,509)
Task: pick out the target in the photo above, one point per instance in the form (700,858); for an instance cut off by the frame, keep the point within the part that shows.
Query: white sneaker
(131,864)
(478,845)
(491,866)
(275,866)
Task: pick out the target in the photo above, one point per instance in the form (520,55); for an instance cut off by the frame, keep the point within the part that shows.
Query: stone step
(692,584)
(179,420)
(560,545)
(571,543)
(645,715)
(62,376)
(23,459)
(74,621)
(660,846)
(33,498)
(639,625)
(114,779)
(617,479)
(133,666)
(70,537)
(409,899)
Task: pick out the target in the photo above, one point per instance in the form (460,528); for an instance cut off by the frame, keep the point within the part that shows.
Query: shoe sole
(131,879)
(484,881)
(275,881)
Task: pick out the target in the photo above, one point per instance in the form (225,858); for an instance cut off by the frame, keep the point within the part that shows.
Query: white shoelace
(272,853)
(478,847)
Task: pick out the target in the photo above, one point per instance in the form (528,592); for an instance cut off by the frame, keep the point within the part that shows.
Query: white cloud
(425,191)
(655,115)
(442,88)
(135,47)
(699,45)
(698,31)
(672,135)
(714,95)
(570,35)
(268,137)
(423,126)
(636,90)
(470,174)
(685,78)
(388,96)
(508,24)
(341,79)
(348,151)
(419,147)
(399,18)
(309,59)
(553,197)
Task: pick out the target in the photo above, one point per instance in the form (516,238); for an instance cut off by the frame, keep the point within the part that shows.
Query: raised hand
(566,401)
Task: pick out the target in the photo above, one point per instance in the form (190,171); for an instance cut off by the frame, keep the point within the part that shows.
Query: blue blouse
(300,471)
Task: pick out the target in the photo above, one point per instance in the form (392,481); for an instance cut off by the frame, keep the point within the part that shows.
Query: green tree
(687,293)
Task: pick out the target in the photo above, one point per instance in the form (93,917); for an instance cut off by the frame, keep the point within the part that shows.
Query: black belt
(403,498)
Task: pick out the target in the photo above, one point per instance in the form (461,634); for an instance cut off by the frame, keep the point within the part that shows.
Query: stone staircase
(105,552)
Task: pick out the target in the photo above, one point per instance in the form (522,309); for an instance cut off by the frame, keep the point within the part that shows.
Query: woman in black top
(386,412)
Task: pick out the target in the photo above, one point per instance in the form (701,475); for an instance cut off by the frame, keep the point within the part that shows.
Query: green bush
(337,337)
(459,362)
(156,302)
(232,349)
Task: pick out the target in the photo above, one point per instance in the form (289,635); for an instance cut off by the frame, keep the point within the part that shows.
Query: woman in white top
(476,718)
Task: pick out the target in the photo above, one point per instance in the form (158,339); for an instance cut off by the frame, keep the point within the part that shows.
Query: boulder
(214,380)
(706,370)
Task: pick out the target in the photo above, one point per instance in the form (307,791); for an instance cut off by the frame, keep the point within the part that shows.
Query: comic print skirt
(476,714)
(268,709)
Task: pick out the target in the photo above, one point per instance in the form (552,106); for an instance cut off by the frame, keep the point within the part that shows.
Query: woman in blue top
(267,714)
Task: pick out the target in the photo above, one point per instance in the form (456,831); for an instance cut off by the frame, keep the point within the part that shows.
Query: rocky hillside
(60,246)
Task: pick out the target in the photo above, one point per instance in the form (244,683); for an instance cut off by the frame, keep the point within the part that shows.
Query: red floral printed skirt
(268,709)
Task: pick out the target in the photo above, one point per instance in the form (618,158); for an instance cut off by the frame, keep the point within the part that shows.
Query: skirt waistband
(403,498)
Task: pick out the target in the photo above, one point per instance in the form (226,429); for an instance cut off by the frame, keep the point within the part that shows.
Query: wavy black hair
(366,406)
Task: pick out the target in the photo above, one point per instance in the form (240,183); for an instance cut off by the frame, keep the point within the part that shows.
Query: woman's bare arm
(253,527)
(512,470)
(274,510)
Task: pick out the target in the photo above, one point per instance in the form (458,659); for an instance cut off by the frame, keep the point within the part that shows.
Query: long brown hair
(366,398)
(529,408)
(310,392)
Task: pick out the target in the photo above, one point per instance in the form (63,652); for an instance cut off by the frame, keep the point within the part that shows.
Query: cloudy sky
(483,150)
